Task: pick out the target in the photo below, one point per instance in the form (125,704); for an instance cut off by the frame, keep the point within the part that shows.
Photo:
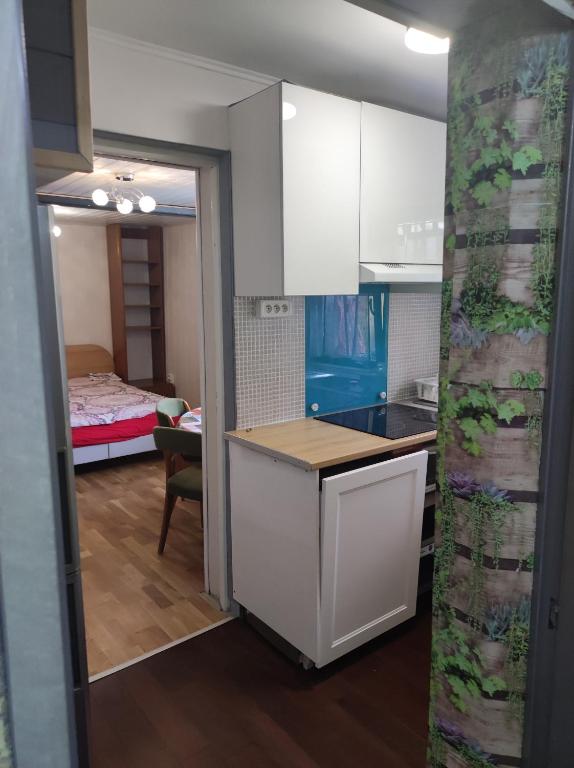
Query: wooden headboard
(82,359)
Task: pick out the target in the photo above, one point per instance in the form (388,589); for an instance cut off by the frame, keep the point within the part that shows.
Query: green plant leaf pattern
(504,137)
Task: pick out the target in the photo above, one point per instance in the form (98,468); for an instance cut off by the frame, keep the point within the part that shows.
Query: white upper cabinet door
(370,546)
(403,165)
(296,173)
(321,189)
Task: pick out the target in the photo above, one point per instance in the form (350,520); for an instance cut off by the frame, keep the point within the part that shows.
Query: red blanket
(114,433)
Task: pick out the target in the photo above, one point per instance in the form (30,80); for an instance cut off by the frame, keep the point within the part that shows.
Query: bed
(108,417)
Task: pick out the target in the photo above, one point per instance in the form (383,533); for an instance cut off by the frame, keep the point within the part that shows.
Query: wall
(270,356)
(5,742)
(508,94)
(414,340)
(269,365)
(182,286)
(82,260)
(149,91)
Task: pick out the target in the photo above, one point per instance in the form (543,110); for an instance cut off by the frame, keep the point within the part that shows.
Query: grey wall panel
(31,563)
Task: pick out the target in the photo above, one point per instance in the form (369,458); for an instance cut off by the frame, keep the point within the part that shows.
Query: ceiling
(330,45)
(71,215)
(442,17)
(169,186)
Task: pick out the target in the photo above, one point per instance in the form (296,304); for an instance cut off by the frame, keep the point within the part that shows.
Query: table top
(313,444)
(191,420)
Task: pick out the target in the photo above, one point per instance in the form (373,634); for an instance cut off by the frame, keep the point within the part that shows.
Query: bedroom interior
(129,290)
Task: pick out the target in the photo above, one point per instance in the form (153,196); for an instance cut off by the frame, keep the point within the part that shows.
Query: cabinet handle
(382,395)
(314,407)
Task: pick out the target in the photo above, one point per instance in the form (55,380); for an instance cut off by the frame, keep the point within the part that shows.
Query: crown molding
(181,57)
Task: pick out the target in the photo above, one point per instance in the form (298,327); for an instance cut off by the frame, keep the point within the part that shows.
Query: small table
(191,421)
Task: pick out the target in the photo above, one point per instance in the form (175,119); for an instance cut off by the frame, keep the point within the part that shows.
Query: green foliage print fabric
(508,94)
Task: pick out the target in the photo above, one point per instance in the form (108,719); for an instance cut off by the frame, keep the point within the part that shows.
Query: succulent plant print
(508,89)
(462,484)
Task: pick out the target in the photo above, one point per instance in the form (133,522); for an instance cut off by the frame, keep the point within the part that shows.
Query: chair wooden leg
(167,512)
(201,514)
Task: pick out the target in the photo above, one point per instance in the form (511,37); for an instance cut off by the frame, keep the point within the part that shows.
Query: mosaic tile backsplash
(269,364)
(414,341)
(270,356)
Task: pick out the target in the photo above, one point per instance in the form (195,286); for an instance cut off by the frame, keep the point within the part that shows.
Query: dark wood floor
(228,698)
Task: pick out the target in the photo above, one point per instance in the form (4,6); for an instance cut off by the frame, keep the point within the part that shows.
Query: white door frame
(217,387)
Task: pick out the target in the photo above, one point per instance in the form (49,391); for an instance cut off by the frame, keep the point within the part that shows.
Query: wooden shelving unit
(135,261)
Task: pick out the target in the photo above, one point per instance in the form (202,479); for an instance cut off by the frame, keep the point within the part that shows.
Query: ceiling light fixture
(124,205)
(124,195)
(422,42)
(100,197)
(56,230)
(147,204)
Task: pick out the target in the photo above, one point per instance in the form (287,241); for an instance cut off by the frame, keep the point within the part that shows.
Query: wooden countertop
(313,444)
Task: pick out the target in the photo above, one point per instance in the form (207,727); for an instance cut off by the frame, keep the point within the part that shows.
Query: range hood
(400,273)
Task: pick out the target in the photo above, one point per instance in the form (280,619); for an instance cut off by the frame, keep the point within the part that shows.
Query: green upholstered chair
(186,483)
(169,409)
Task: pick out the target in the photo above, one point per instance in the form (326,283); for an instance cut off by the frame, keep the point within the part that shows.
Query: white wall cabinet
(328,564)
(403,163)
(295,156)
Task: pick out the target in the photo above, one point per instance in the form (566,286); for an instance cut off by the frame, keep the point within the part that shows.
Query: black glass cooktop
(391,421)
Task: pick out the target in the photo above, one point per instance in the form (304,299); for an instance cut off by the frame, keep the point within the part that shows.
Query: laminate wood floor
(228,699)
(134,600)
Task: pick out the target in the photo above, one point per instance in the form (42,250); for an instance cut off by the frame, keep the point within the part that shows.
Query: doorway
(129,590)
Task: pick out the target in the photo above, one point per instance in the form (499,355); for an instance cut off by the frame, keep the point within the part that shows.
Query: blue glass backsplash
(346,346)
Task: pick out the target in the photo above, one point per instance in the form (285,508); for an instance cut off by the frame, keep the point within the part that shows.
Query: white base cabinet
(328,563)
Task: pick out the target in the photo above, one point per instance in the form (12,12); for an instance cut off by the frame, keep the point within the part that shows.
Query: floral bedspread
(105,398)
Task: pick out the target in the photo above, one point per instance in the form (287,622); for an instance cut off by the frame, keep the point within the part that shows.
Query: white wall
(154,92)
(82,260)
(182,289)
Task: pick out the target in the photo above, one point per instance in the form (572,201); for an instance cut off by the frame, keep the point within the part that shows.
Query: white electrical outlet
(170,378)
(273,308)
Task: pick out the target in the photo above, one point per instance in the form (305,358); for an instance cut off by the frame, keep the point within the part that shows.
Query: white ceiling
(325,44)
(64,215)
(169,186)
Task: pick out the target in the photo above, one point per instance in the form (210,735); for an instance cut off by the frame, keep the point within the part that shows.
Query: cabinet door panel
(403,163)
(321,185)
(371,535)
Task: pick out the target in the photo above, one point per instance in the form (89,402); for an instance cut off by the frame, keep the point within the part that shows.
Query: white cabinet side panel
(371,535)
(321,186)
(275,544)
(256,188)
(403,164)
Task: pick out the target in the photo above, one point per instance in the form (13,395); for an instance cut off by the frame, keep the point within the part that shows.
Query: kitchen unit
(295,156)
(328,191)
(56,34)
(403,165)
(326,527)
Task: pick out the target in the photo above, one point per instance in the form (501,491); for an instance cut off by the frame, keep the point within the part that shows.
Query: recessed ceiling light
(422,42)
(56,230)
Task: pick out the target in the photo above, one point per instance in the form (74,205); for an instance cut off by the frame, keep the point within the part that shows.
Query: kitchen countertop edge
(248,438)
